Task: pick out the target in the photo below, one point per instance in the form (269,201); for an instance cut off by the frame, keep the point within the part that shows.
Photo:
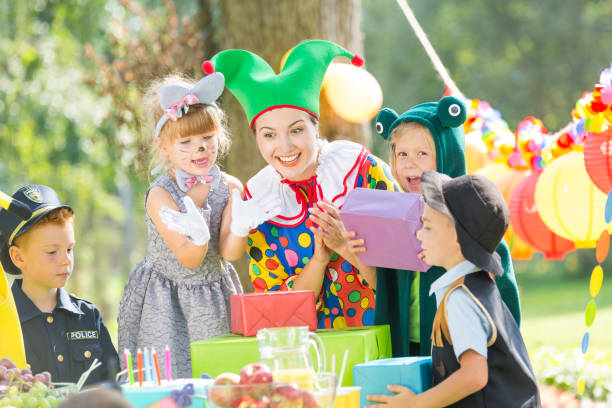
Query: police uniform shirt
(66,341)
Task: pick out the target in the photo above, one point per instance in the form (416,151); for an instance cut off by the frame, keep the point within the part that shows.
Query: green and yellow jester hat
(259,89)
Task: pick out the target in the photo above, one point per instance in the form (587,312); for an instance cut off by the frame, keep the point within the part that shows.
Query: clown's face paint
(414,153)
(287,140)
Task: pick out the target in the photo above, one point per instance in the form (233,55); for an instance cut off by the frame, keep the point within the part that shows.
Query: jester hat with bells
(259,89)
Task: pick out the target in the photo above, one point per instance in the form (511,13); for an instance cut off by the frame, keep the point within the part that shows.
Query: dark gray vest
(511,379)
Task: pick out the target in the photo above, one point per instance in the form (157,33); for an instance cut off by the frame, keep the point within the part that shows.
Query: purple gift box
(388,222)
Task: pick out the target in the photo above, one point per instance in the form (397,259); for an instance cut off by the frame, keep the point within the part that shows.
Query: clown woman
(305,246)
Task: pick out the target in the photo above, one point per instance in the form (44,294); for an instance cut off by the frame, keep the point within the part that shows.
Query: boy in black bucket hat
(478,355)
(62,334)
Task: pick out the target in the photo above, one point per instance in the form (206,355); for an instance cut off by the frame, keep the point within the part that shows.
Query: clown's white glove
(190,223)
(249,214)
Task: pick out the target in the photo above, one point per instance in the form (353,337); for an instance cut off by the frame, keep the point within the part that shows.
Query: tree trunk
(270,28)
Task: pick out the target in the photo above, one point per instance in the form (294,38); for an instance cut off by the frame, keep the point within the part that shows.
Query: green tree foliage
(54,130)
(523,57)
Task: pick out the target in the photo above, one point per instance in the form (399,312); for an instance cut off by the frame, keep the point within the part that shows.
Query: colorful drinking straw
(168,364)
(139,364)
(156,364)
(128,364)
(147,364)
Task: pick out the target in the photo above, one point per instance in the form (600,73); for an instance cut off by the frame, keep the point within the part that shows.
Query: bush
(563,368)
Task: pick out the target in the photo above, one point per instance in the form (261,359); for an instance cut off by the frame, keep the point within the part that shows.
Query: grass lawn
(554,313)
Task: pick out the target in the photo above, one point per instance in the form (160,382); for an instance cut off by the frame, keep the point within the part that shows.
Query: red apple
(223,392)
(260,392)
(287,396)
(246,401)
(289,391)
(309,399)
(256,373)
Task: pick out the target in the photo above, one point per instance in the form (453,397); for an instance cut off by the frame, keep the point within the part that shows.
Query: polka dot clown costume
(280,248)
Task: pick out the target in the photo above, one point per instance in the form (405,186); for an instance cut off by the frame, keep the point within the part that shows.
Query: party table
(231,352)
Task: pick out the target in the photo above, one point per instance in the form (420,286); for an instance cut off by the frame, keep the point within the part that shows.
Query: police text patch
(82,335)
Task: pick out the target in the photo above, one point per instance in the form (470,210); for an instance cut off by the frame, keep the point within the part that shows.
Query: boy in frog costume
(403,298)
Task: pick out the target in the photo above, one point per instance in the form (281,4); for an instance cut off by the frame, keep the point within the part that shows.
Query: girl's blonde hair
(201,118)
(399,131)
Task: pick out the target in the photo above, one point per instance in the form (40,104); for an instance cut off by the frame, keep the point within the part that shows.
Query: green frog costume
(402,297)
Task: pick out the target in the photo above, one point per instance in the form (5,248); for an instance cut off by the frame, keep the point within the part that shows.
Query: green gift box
(231,352)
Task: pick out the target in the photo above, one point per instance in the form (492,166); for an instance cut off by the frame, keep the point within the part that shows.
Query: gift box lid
(254,311)
(231,352)
(150,393)
(384,203)
(374,376)
(388,222)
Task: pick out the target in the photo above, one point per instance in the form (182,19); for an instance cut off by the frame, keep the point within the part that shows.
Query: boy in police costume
(62,334)
(478,355)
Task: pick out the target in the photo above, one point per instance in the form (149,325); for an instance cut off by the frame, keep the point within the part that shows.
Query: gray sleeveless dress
(167,304)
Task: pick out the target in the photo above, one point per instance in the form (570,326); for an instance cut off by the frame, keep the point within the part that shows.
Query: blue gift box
(374,376)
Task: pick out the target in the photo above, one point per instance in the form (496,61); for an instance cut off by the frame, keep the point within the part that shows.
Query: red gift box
(254,311)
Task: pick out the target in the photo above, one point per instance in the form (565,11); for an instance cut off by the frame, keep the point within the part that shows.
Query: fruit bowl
(318,392)
(37,396)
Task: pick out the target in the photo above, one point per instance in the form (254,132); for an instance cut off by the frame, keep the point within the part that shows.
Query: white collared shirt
(469,327)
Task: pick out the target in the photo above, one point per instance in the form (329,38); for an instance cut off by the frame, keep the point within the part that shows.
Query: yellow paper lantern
(506,183)
(569,203)
(494,170)
(11,340)
(476,152)
(352,92)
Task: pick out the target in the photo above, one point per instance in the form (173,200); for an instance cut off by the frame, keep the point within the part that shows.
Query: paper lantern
(476,152)
(569,203)
(519,249)
(598,159)
(494,170)
(528,224)
(352,92)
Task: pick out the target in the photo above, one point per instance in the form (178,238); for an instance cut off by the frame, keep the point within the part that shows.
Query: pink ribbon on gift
(173,111)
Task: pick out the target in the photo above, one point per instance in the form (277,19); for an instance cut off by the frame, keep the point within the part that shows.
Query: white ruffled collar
(335,176)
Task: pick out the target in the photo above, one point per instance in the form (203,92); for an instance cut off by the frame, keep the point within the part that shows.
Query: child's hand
(249,214)
(403,398)
(330,225)
(191,223)
(354,245)
(321,253)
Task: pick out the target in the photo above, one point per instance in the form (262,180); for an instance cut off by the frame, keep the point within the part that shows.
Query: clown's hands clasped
(249,214)
(190,223)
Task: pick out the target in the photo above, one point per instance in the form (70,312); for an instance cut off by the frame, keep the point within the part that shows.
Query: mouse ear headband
(176,99)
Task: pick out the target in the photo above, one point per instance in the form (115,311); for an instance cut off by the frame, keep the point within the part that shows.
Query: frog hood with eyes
(444,120)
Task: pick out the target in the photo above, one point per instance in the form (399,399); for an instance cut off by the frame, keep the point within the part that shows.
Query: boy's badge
(34,194)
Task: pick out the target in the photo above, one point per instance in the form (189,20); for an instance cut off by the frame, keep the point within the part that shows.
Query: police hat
(41,200)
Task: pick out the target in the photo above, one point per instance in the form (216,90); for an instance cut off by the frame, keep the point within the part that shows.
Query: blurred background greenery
(71,72)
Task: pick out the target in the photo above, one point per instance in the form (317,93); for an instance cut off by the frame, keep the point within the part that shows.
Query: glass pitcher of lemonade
(285,351)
